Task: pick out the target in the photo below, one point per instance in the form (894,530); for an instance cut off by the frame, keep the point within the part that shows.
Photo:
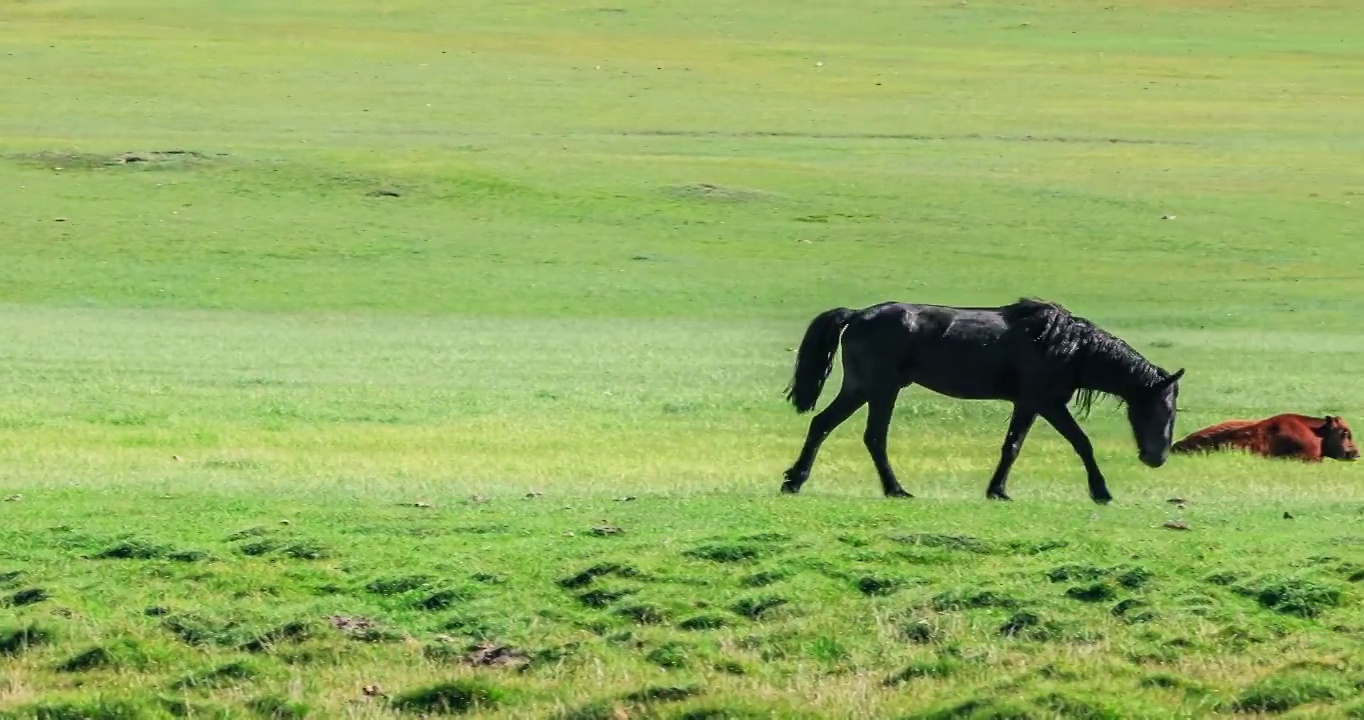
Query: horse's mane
(1075,342)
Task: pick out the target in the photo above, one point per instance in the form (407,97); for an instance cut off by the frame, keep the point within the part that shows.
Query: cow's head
(1336,439)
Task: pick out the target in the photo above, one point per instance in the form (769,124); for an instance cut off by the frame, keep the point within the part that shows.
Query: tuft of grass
(1284,690)
(452,698)
(1293,596)
(132,549)
(230,673)
(15,640)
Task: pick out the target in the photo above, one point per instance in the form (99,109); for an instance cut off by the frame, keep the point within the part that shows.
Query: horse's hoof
(997,496)
(1102,499)
(790,488)
(898,494)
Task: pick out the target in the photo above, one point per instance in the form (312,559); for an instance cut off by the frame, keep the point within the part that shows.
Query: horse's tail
(815,359)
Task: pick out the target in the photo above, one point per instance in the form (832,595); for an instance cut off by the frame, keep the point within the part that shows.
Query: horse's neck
(1115,377)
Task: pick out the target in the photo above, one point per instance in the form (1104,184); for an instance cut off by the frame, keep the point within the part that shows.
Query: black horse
(1032,353)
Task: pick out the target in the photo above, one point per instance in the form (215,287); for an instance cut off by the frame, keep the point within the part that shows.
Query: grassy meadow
(385,360)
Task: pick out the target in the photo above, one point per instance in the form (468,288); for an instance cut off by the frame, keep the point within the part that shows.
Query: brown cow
(1282,436)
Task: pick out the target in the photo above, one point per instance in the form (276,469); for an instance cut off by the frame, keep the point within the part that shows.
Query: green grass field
(305,417)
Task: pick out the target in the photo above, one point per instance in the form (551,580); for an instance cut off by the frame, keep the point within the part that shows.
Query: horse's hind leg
(847,402)
(880,407)
(1019,425)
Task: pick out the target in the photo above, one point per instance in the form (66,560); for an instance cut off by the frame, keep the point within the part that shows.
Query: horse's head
(1336,439)
(1151,411)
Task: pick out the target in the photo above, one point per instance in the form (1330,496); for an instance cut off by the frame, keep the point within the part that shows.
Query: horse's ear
(1170,379)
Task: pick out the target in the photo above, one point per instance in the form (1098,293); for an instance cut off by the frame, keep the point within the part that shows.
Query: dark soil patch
(189,556)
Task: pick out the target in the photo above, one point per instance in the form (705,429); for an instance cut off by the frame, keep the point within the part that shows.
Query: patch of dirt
(717,193)
(362,629)
(494,655)
(64,160)
(1064,139)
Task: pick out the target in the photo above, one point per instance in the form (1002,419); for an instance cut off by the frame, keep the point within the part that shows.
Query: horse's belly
(966,380)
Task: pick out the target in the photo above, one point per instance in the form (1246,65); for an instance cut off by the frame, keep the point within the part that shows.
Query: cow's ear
(1327,422)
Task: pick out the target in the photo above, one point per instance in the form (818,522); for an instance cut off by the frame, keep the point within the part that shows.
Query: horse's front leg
(1019,424)
(1060,418)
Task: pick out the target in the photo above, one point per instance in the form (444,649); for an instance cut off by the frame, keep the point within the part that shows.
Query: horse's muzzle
(1153,462)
